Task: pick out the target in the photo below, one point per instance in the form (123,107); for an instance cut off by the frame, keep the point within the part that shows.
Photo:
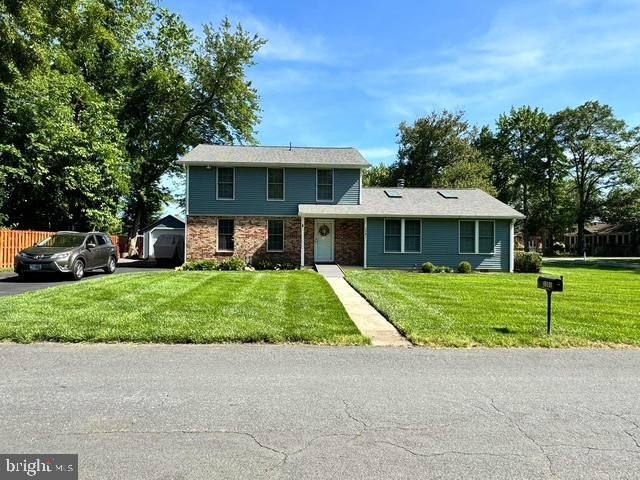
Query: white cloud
(285,44)
(527,46)
(378,153)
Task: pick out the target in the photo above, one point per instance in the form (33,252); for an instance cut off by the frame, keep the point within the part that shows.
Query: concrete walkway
(368,320)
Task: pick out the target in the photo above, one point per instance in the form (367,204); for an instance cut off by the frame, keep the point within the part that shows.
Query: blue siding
(251,191)
(439,246)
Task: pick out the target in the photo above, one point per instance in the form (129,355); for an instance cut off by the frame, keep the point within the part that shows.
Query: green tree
(182,92)
(378,176)
(438,151)
(61,154)
(600,149)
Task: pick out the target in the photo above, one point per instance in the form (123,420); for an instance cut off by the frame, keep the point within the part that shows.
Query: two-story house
(308,205)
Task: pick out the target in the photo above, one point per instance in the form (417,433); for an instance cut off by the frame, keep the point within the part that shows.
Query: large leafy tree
(438,151)
(98,98)
(528,167)
(61,154)
(600,149)
(378,176)
(181,92)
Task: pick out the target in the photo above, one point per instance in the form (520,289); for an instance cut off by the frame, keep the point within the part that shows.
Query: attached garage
(164,238)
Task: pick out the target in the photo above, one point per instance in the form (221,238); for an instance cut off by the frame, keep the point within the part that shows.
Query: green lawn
(183,307)
(600,306)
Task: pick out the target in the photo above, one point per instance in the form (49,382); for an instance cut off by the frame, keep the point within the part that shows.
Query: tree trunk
(133,233)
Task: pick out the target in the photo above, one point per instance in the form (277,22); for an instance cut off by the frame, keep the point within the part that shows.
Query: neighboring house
(169,224)
(604,239)
(259,202)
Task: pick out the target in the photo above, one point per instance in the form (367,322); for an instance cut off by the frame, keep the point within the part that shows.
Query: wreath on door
(323,230)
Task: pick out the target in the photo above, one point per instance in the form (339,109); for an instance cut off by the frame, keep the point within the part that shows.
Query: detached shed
(166,225)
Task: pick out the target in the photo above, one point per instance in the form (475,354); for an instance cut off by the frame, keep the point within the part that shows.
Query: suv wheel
(111,265)
(78,269)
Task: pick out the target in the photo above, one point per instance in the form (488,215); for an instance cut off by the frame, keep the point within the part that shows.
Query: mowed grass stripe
(599,307)
(183,307)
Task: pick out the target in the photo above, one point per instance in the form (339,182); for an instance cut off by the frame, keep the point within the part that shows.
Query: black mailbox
(551,284)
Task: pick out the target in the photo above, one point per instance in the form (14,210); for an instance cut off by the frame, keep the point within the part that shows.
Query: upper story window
(477,236)
(226,184)
(275,183)
(324,185)
(402,236)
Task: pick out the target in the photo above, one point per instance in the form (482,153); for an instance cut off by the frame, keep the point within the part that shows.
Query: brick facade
(250,239)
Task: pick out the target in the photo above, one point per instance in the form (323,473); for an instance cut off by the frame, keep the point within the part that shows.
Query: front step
(329,270)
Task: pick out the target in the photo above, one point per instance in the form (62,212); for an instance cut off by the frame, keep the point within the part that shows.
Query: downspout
(512,245)
(364,261)
(186,216)
(301,242)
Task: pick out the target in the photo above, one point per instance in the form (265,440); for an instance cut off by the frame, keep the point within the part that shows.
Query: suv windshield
(62,241)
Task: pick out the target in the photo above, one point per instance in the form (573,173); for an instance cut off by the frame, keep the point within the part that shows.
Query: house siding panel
(439,246)
(251,191)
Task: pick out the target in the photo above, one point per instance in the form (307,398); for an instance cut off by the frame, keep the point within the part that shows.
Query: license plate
(35,267)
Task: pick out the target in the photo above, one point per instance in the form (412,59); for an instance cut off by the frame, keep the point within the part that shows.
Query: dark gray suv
(68,252)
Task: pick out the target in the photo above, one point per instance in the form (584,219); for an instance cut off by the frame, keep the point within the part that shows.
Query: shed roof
(168,221)
(418,202)
(243,155)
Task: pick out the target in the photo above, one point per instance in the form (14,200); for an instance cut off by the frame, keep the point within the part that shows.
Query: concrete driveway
(10,285)
(203,412)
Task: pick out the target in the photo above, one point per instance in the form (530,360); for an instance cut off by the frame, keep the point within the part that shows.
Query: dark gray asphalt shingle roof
(259,155)
(418,202)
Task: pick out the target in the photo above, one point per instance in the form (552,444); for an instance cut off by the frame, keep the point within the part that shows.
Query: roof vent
(393,193)
(448,195)
(400,183)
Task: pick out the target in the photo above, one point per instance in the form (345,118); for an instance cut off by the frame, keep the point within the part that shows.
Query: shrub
(427,267)
(464,267)
(274,264)
(527,262)
(233,264)
(443,269)
(201,265)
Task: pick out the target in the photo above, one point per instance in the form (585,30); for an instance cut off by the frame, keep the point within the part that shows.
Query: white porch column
(301,242)
(364,260)
(512,245)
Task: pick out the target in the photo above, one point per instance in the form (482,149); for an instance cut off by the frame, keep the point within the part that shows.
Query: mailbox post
(550,285)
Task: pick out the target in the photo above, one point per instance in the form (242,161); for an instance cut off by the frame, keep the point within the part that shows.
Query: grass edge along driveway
(183,307)
(600,307)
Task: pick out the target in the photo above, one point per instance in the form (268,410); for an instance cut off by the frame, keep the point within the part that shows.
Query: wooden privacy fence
(12,241)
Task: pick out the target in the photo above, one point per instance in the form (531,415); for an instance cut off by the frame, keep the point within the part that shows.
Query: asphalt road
(11,285)
(204,412)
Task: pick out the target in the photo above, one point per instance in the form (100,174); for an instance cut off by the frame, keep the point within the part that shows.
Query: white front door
(323,240)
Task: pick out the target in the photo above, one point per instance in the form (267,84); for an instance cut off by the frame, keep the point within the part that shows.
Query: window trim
(476,237)
(402,236)
(218,184)
(281,220)
(283,185)
(218,249)
(333,184)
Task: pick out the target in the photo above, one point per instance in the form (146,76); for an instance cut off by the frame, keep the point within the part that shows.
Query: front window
(63,241)
(392,236)
(275,234)
(477,236)
(467,237)
(485,237)
(324,185)
(225,235)
(225,183)
(402,236)
(412,236)
(275,184)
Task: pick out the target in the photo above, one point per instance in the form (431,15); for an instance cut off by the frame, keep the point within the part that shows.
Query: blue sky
(346,73)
